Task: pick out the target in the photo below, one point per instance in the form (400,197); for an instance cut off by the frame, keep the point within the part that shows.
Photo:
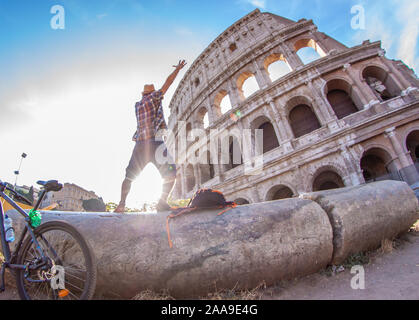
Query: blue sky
(66,96)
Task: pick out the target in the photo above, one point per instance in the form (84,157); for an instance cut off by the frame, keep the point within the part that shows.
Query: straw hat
(148,88)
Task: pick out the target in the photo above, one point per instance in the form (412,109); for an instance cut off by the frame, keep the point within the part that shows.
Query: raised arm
(173,76)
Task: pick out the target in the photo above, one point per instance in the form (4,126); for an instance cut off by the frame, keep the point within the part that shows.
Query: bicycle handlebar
(3,187)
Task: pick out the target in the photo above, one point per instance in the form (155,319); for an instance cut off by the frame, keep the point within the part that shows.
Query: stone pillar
(273,116)
(291,56)
(282,127)
(197,175)
(365,93)
(408,170)
(234,95)
(183,177)
(262,77)
(243,123)
(355,174)
(400,80)
(273,111)
(323,113)
(355,84)
(286,125)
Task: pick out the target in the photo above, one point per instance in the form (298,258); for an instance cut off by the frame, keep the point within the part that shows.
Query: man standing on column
(150,120)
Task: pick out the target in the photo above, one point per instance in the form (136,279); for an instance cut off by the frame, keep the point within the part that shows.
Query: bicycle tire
(91,269)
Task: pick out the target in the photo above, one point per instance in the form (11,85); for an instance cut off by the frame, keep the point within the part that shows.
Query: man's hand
(173,76)
(180,65)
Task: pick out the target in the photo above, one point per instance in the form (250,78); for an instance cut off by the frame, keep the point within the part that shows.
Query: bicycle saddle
(51,185)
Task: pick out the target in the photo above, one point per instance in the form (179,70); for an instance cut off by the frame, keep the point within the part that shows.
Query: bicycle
(52,260)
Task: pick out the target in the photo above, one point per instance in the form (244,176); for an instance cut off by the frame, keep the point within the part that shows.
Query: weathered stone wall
(338,146)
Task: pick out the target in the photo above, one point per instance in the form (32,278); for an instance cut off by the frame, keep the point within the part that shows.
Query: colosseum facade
(347,118)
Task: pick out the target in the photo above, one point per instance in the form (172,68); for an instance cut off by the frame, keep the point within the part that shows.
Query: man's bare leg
(168,186)
(126,187)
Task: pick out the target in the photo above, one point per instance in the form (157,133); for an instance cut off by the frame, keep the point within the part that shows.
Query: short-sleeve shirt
(150,118)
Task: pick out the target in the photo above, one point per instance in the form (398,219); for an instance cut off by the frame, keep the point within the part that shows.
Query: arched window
(328,180)
(412,144)
(189,130)
(222,102)
(308,50)
(247,85)
(241,201)
(235,154)
(279,192)
(381,83)
(339,95)
(303,120)
(205,120)
(202,117)
(376,165)
(277,66)
(270,141)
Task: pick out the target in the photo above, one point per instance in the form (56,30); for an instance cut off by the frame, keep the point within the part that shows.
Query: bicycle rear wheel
(70,271)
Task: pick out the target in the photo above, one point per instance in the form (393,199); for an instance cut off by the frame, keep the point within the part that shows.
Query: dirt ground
(388,276)
(391,273)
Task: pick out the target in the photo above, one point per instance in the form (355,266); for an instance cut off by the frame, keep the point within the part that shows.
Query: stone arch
(326,178)
(189,131)
(302,117)
(224,148)
(279,192)
(189,178)
(241,201)
(377,164)
(381,82)
(202,117)
(309,55)
(412,145)
(247,84)
(276,66)
(206,167)
(222,102)
(270,137)
(235,154)
(342,98)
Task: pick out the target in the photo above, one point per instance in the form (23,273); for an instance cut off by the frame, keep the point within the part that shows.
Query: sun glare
(146,188)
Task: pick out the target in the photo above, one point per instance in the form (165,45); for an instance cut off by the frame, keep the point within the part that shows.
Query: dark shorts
(151,151)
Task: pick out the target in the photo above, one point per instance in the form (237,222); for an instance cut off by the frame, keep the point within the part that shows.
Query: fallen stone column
(363,216)
(244,247)
(239,249)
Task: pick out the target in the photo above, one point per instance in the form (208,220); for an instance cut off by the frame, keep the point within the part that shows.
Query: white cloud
(182,31)
(257,3)
(398,44)
(408,14)
(101,16)
(75,119)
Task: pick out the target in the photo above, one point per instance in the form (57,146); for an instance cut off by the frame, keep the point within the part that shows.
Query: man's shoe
(162,207)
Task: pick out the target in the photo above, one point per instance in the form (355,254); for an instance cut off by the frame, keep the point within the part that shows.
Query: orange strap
(173,216)
(229,208)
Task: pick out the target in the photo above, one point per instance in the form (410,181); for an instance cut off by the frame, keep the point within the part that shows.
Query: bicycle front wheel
(69,272)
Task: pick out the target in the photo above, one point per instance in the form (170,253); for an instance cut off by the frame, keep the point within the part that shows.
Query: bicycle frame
(8,256)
